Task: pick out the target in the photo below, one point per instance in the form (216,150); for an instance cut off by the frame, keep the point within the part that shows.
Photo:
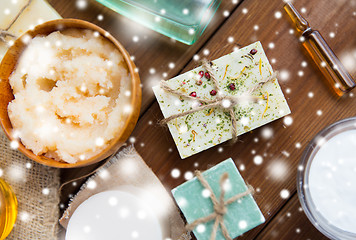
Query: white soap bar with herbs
(37,12)
(236,73)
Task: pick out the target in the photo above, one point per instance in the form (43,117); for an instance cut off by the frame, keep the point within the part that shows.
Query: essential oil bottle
(326,60)
(8,209)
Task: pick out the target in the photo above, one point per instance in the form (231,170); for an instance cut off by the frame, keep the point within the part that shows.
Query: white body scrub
(332,181)
(69,95)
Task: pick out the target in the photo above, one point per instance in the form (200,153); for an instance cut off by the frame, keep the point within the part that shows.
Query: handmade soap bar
(195,203)
(236,74)
(37,12)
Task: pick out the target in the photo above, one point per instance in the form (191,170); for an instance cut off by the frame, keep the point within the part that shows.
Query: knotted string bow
(5,32)
(220,206)
(222,101)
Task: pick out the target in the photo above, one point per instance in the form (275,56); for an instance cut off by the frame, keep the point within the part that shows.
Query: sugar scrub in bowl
(72,96)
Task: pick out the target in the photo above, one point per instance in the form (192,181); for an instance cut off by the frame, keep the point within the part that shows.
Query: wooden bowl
(9,63)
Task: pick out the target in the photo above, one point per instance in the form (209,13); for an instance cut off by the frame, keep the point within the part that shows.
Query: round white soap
(114,215)
(332,181)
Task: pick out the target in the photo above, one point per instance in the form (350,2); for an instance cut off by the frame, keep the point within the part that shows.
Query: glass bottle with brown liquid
(328,63)
(8,209)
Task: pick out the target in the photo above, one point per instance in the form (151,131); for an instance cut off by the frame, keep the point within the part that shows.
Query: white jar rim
(304,194)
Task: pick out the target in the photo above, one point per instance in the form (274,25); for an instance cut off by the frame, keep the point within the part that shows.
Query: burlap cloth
(126,169)
(36,189)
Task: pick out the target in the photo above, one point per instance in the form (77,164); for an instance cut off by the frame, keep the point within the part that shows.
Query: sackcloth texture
(35,187)
(115,174)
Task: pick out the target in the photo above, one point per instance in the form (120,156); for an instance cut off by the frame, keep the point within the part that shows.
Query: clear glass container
(183,20)
(312,210)
(8,209)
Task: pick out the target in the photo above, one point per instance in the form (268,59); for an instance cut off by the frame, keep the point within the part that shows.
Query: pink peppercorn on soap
(236,73)
(195,202)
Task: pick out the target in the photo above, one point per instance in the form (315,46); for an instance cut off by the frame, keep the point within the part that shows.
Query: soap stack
(217,203)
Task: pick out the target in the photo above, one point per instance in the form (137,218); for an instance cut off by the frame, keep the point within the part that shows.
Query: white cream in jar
(332,180)
(327,180)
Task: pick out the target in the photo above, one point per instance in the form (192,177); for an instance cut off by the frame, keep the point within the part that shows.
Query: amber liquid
(330,66)
(335,73)
(8,209)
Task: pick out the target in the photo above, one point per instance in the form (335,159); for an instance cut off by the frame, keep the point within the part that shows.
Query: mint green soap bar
(194,201)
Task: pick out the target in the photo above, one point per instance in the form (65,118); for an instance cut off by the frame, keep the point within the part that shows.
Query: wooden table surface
(313,105)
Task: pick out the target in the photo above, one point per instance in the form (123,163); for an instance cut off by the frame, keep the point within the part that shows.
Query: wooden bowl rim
(116,142)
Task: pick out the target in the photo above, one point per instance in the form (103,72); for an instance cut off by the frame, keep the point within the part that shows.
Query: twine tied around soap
(225,102)
(220,206)
(5,32)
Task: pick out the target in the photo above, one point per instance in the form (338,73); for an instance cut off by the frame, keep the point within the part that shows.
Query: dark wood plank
(152,51)
(291,223)
(330,20)
(281,153)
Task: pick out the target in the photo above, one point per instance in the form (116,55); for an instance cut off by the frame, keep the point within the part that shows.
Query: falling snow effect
(284,75)
(206,193)
(230,39)
(300,168)
(242,167)
(258,160)
(45,191)
(285,153)
(81,4)
(135,38)
(188,175)
(288,121)
(175,173)
(14,144)
(91,184)
(284,194)
(267,133)
(132,139)
(278,14)
(7,11)
(24,216)
(171,65)
(99,142)
(16,173)
(100,17)
(200,228)
(277,169)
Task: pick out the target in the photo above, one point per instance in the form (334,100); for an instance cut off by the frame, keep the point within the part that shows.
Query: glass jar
(8,209)
(326,180)
(183,20)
